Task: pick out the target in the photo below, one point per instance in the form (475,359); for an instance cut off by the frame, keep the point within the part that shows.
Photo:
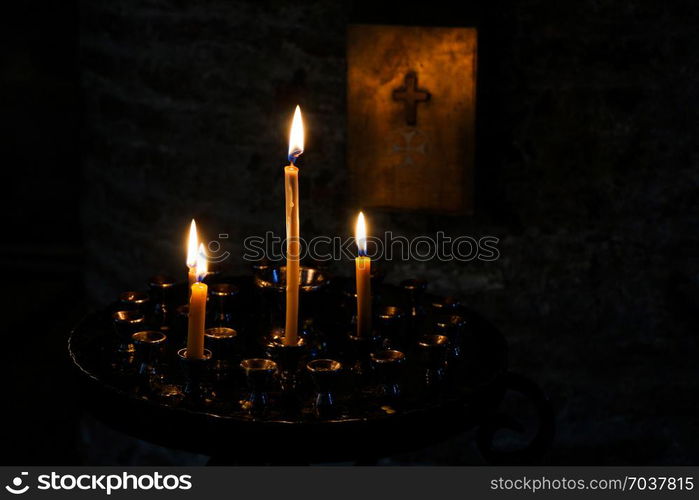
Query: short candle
(197,309)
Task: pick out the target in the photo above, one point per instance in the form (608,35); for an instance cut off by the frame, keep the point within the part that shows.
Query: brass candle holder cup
(148,346)
(454,327)
(289,360)
(388,367)
(414,290)
(325,374)
(161,300)
(226,348)
(126,323)
(445,305)
(196,373)
(274,277)
(357,353)
(134,301)
(270,283)
(390,321)
(433,355)
(259,375)
(221,296)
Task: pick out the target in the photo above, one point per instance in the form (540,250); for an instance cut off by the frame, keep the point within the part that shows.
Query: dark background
(121,120)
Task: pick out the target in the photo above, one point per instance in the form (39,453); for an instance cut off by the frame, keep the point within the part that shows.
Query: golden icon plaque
(411,102)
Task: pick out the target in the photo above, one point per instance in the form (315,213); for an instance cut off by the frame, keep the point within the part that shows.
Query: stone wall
(586,171)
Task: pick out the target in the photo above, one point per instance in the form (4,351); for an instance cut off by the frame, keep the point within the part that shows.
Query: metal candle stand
(430,369)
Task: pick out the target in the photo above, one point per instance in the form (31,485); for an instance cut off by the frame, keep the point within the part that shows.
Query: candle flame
(360,234)
(296,137)
(202,263)
(192,245)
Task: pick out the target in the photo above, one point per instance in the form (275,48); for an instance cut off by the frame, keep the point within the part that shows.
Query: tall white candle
(363,275)
(293,244)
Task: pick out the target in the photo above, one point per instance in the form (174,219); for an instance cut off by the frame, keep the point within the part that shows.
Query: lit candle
(197,309)
(363,269)
(293,244)
(192,247)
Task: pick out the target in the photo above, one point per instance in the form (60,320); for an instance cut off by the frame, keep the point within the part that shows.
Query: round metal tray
(365,424)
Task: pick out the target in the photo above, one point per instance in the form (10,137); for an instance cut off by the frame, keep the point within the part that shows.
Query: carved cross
(411,95)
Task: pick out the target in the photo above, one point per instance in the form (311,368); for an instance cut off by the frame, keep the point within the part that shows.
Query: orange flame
(202,263)
(296,137)
(360,234)
(192,245)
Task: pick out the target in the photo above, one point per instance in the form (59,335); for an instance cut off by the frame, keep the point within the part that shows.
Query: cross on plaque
(411,95)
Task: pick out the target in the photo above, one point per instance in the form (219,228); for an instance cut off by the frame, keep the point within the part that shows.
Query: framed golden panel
(411,101)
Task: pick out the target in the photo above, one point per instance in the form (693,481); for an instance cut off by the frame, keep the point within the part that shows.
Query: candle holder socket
(454,327)
(221,296)
(325,374)
(415,291)
(148,346)
(161,290)
(270,282)
(390,324)
(388,367)
(259,375)
(126,323)
(134,301)
(226,348)
(196,377)
(357,354)
(433,354)
(312,279)
(289,359)
(445,305)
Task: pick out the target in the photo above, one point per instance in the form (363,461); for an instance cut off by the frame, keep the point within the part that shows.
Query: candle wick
(293,155)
